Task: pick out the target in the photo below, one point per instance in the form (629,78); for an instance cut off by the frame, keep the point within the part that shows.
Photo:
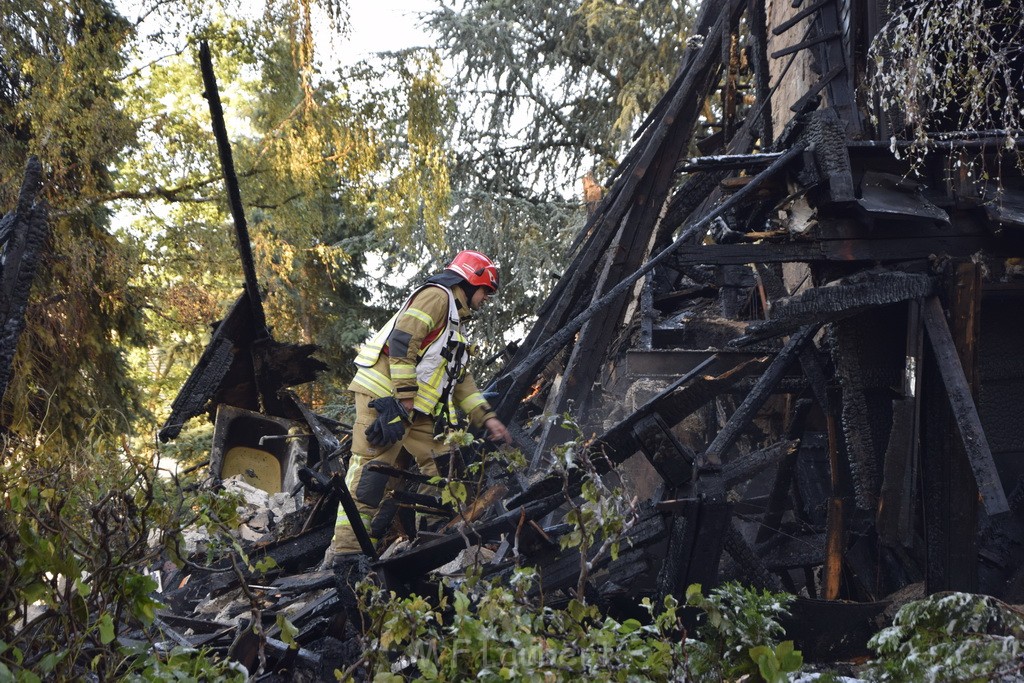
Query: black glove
(389,427)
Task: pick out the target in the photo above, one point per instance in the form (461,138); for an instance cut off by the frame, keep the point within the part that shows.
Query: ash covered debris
(801,368)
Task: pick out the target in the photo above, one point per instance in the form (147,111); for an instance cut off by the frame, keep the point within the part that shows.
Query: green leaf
(266,564)
(629,626)
(83,588)
(288,631)
(106,625)
(49,662)
(757,652)
(426,667)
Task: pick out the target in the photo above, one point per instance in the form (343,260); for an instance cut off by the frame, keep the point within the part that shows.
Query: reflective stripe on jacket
(437,366)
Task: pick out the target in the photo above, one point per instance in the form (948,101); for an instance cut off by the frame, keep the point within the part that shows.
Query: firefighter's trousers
(368,488)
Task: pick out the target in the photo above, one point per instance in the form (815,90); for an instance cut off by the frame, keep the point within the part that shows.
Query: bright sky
(384,25)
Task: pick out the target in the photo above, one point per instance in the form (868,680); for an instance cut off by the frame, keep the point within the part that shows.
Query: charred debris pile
(799,358)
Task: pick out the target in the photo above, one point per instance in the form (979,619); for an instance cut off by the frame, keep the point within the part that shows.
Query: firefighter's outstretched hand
(496,431)
(389,426)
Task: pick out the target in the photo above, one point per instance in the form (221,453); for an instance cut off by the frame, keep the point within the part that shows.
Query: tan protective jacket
(421,353)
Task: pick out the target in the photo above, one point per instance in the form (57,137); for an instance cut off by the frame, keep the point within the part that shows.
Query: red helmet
(476,269)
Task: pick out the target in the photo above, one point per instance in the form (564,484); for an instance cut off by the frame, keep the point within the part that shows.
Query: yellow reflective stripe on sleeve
(368,354)
(403,371)
(422,316)
(378,384)
(474,400)
(429,391)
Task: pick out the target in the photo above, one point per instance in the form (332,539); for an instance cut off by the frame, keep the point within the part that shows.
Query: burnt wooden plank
(874,249)
(304,582)
(771,523)
(327,603)
(745,413)
(432,554)
(965,411)
(298,552)
(804,44)
(799,16)
(852,366)
(821,84)
(835,520)
(728,162)
(757,21)
(897,484)
(757,574)
(825,134)
(696,541)
(746,467)
(840,299)
(212,95)
(831,54)
(202,383)
(194,624)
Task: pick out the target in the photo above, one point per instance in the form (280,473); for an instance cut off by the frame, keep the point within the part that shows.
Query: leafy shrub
(951,637)
(739,630)
(79,529)
(492,631)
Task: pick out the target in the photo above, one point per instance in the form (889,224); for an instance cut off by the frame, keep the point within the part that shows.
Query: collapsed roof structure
(796,351)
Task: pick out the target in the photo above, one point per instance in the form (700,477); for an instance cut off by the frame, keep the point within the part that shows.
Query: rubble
(821,363)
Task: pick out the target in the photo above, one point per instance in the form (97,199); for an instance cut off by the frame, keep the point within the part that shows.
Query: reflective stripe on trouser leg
(345,537)
(367,487)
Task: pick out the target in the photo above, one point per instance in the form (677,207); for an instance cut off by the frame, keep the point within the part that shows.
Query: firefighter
(410,378)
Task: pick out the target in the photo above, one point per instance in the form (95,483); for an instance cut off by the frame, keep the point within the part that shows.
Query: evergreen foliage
(60,100)
(547,92)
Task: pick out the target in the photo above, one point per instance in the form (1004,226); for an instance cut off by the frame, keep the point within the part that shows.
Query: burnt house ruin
(799,350)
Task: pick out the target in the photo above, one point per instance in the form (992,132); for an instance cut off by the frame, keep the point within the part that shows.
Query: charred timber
(514,384)
(728,162)
(745,413)
(24,233)
(838,300)
(964,410)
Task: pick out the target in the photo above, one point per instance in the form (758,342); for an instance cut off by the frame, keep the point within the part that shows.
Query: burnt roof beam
(965,412)
(516,381)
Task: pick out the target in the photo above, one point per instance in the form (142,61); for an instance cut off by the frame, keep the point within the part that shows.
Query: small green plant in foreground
(739,634)
(495,631)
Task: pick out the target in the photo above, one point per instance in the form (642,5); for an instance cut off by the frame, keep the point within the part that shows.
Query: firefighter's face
(479,298)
